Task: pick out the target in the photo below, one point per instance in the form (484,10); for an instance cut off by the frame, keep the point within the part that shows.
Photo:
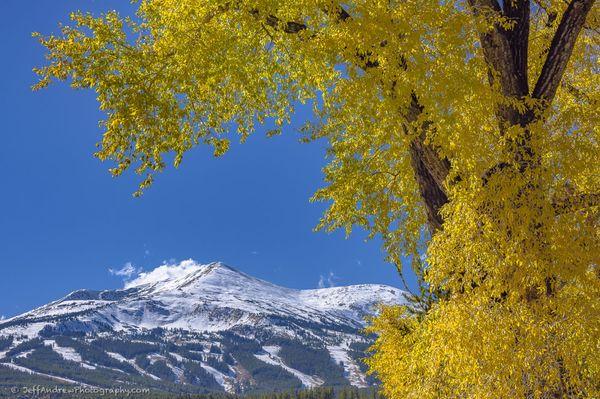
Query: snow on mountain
(211,297)
(211,306)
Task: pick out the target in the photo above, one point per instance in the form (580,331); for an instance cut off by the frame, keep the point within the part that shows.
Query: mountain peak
(212,297)
(174,275)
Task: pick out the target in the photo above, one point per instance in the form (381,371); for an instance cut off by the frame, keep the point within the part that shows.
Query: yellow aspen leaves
(513,269)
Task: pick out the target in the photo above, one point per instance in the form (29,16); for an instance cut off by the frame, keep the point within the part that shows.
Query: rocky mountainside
(197,328)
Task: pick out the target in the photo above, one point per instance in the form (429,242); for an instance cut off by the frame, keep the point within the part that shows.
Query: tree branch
(432,194)
(505,52)
(293,27)
(576,203)
(518,11)
(339,14)
(561,49)
(430,169)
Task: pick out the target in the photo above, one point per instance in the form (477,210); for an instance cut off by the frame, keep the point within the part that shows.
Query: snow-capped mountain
(192,327)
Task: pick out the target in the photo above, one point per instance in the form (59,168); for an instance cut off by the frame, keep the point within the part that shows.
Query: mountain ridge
(248,333)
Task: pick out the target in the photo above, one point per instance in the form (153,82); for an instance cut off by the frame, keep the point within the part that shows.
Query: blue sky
(65,221)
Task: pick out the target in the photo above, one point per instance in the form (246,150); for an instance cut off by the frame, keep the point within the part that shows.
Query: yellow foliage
(520,312)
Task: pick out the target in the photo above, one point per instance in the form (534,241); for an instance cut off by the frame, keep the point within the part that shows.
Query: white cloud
(321,282)
(359,262)
(327,280)
(254,253)
(2,317)
(127,271)
(166,271)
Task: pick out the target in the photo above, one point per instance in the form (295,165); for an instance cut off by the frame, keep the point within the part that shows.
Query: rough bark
(561,49)
(432,193)
(430,169)
(505,53)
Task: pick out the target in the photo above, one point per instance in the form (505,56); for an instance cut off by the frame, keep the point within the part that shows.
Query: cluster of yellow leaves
(521,318)
(184,72)
(471,348)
